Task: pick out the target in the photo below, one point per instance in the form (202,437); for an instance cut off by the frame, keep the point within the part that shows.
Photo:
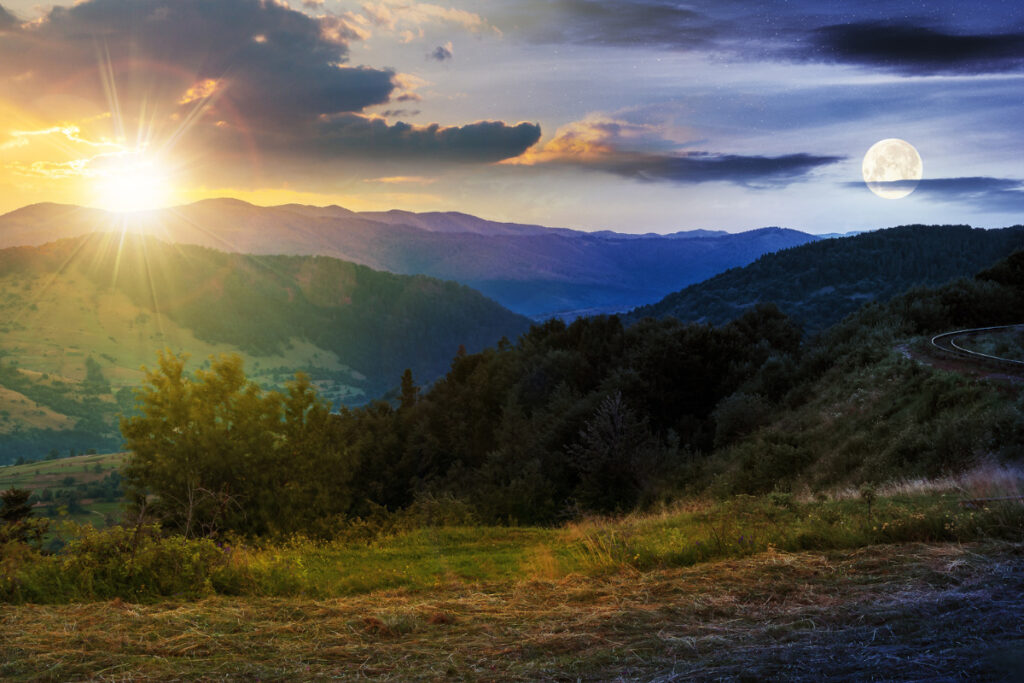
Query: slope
(818,284)
(80,316)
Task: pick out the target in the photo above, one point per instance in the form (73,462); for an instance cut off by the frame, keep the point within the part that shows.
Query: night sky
(638,116)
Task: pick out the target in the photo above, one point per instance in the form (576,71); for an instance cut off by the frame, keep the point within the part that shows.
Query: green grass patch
(144,565)
(41,474)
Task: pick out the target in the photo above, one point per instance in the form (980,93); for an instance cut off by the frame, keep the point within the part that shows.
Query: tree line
(593,416)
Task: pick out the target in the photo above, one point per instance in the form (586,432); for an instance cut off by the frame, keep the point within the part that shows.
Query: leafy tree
(197,443)
(95,382)
(217,453)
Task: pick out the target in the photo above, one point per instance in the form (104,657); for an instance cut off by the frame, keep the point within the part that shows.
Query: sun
(132,182)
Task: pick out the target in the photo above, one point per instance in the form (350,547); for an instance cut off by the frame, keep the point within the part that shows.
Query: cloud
(704,167)
(7,20)
(629,23)
(155,51)
(639,152)
(915,49)
(352,135)
(251,88)
(396,15)
(442,52)
(403,180)
(922,42)
(399,113)
(982,192)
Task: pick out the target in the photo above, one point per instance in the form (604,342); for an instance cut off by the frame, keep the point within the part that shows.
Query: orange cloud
(403,179)
(202,90)
(590,139)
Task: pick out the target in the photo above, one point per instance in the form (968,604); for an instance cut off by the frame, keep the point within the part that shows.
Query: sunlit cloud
(399,14)
(403,180)
(202,90)
(640,152)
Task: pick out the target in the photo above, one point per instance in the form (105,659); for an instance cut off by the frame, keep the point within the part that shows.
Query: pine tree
(16,507)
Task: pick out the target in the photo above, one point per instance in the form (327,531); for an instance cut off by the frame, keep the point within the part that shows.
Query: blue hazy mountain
(530,269)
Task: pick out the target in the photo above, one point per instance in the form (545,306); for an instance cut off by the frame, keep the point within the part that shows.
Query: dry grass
(988,480)
(910,612)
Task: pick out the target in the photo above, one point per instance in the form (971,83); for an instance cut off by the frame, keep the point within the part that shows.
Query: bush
(132,564)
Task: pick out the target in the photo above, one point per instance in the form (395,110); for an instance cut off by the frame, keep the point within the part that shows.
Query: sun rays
(132,182)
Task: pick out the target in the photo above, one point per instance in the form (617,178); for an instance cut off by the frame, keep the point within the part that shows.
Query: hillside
(818,284)
(599,417)
(530,269)
(80,316)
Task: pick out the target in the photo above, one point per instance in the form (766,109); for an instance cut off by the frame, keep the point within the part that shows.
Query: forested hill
(378,323)
(79,317)
(600,417)
(819,283)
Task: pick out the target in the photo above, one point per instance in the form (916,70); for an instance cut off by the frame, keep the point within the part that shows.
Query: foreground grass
(901,611)
(146,567)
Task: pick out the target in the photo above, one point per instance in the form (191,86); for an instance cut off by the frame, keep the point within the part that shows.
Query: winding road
(947,342)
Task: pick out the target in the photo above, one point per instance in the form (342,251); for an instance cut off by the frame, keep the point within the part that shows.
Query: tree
(95,382)
(410,392)
(616,457)
(197,442)
(16,514)
(214,452)
(15,507)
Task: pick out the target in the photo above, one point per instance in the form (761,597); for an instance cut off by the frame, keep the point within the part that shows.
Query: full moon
(892,168)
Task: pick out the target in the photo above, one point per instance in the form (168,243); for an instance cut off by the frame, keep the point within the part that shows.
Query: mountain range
(533,270)
(818,284)
(79,316)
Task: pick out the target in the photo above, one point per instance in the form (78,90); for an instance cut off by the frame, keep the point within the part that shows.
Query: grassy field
(50,473)
(906,612)
(53,474)
(918,586)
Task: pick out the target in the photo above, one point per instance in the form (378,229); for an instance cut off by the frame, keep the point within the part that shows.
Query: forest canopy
(591,417)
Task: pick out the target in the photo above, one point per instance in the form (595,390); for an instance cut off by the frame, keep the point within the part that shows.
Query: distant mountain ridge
(820,283)
(530,269)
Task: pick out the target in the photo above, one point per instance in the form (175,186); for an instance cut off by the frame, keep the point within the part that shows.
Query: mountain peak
(223,202)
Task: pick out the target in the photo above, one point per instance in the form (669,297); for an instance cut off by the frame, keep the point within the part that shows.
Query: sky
(635,115)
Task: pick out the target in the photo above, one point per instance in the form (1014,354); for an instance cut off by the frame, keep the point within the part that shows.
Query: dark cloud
(982,192)
(643,23)
(915,49)
(275,64)
(702,167)
(351,135)
(399,113)
(985,40)
(7,20)
(441,53)
(260,86)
